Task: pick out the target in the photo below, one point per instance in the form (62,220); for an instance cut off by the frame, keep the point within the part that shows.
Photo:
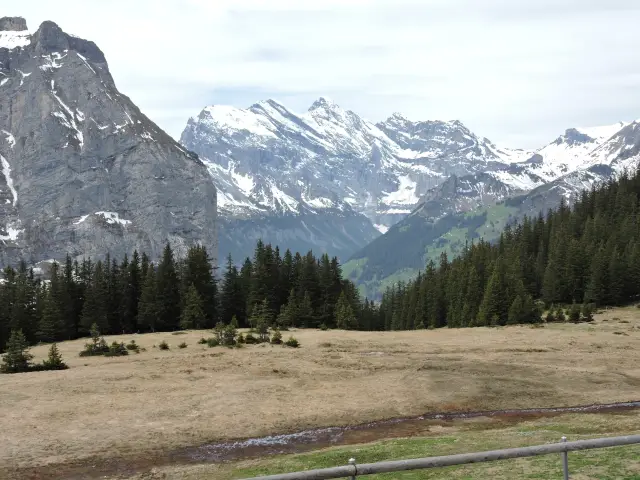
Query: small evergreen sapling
(276,338)
(292,342)
(54,360)
(17,358)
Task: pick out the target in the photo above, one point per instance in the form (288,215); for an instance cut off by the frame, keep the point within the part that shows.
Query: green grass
(620,463)
(353,268)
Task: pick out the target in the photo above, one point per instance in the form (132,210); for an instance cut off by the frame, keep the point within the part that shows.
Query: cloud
(517,72)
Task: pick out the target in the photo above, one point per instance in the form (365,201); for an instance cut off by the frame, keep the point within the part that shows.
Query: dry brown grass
(159,400)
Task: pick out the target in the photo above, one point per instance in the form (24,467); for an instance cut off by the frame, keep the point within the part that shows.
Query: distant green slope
(406,248)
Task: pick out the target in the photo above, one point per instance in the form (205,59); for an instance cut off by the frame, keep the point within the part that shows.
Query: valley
(114,413)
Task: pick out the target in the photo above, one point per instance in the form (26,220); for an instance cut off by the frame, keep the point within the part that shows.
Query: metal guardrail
(353,470)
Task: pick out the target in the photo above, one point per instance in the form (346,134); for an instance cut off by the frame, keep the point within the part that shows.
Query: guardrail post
(352,461)
(565,461)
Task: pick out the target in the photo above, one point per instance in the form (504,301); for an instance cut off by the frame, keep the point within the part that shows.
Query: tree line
(588,254)
(137,295)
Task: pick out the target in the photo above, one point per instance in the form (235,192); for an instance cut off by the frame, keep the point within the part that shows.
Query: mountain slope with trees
(588,254)
(584,256)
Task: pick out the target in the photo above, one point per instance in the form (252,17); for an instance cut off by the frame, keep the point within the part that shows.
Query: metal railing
(353,470)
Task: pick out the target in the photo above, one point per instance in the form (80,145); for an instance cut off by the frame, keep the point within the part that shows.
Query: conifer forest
(566,260)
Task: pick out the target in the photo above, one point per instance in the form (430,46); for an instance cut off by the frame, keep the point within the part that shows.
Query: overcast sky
(516,71)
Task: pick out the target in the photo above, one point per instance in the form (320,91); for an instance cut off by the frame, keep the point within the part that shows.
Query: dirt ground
(103,408)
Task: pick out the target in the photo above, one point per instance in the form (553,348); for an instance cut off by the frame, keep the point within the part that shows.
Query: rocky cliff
(83,170)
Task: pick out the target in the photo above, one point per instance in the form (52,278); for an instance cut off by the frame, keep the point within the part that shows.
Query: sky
(519,72)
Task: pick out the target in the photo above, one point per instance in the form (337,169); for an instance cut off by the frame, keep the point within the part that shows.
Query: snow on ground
(604,132)
(12,233)
(10,138)
(319,202)
(244,182)
(81,219)
(520,181)
(85,62)
(285,201)
(6,171)
(68,120)
(11,40)
(405,195)
(234,119)
(113,217)
(51,62)
(381,228)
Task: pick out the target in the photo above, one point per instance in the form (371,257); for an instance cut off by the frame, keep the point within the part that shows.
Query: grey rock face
(84,172)
(13,24)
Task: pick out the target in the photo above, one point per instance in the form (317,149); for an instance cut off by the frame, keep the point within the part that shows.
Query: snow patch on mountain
(6,171)
(12,39)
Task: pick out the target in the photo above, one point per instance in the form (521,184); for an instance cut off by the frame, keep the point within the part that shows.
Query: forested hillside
(587,254)
(134,295)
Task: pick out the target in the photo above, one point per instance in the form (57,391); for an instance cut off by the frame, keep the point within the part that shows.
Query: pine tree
(17,357)
(149,308)
(95,303)
(54,360)
(516,311)
(198,272)
(345,318)
(51,324)
(193,315)
(168,292)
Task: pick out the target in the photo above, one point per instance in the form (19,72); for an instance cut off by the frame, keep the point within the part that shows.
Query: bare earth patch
(132,406)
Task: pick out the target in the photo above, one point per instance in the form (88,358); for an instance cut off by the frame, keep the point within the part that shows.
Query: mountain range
(384,196)
(85,172)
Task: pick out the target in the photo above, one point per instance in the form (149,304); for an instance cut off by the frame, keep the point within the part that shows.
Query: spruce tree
(54,360)
(17,357)
(51,324)
(149,306)
(168,292)
(193,315)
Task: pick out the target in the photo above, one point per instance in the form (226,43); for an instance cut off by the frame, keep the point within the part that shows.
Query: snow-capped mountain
(268,159)
(270,162)
(84,172)
(480,205)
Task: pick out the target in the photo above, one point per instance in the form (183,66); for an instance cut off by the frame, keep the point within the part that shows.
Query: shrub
(116,350)
(250,339)
(202,341)
(212,342)
(587,312)
(550,318)
(292,342)
(54,360)
(276,338)
(133,346)
(94,348)
(560,317)
(324,327)
(240,339)
(229,334)
(182,345)
(163,345)
(574,313)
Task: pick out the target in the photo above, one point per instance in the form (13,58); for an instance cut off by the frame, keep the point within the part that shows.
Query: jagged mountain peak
(13,24)
(323,103)
(84,172)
